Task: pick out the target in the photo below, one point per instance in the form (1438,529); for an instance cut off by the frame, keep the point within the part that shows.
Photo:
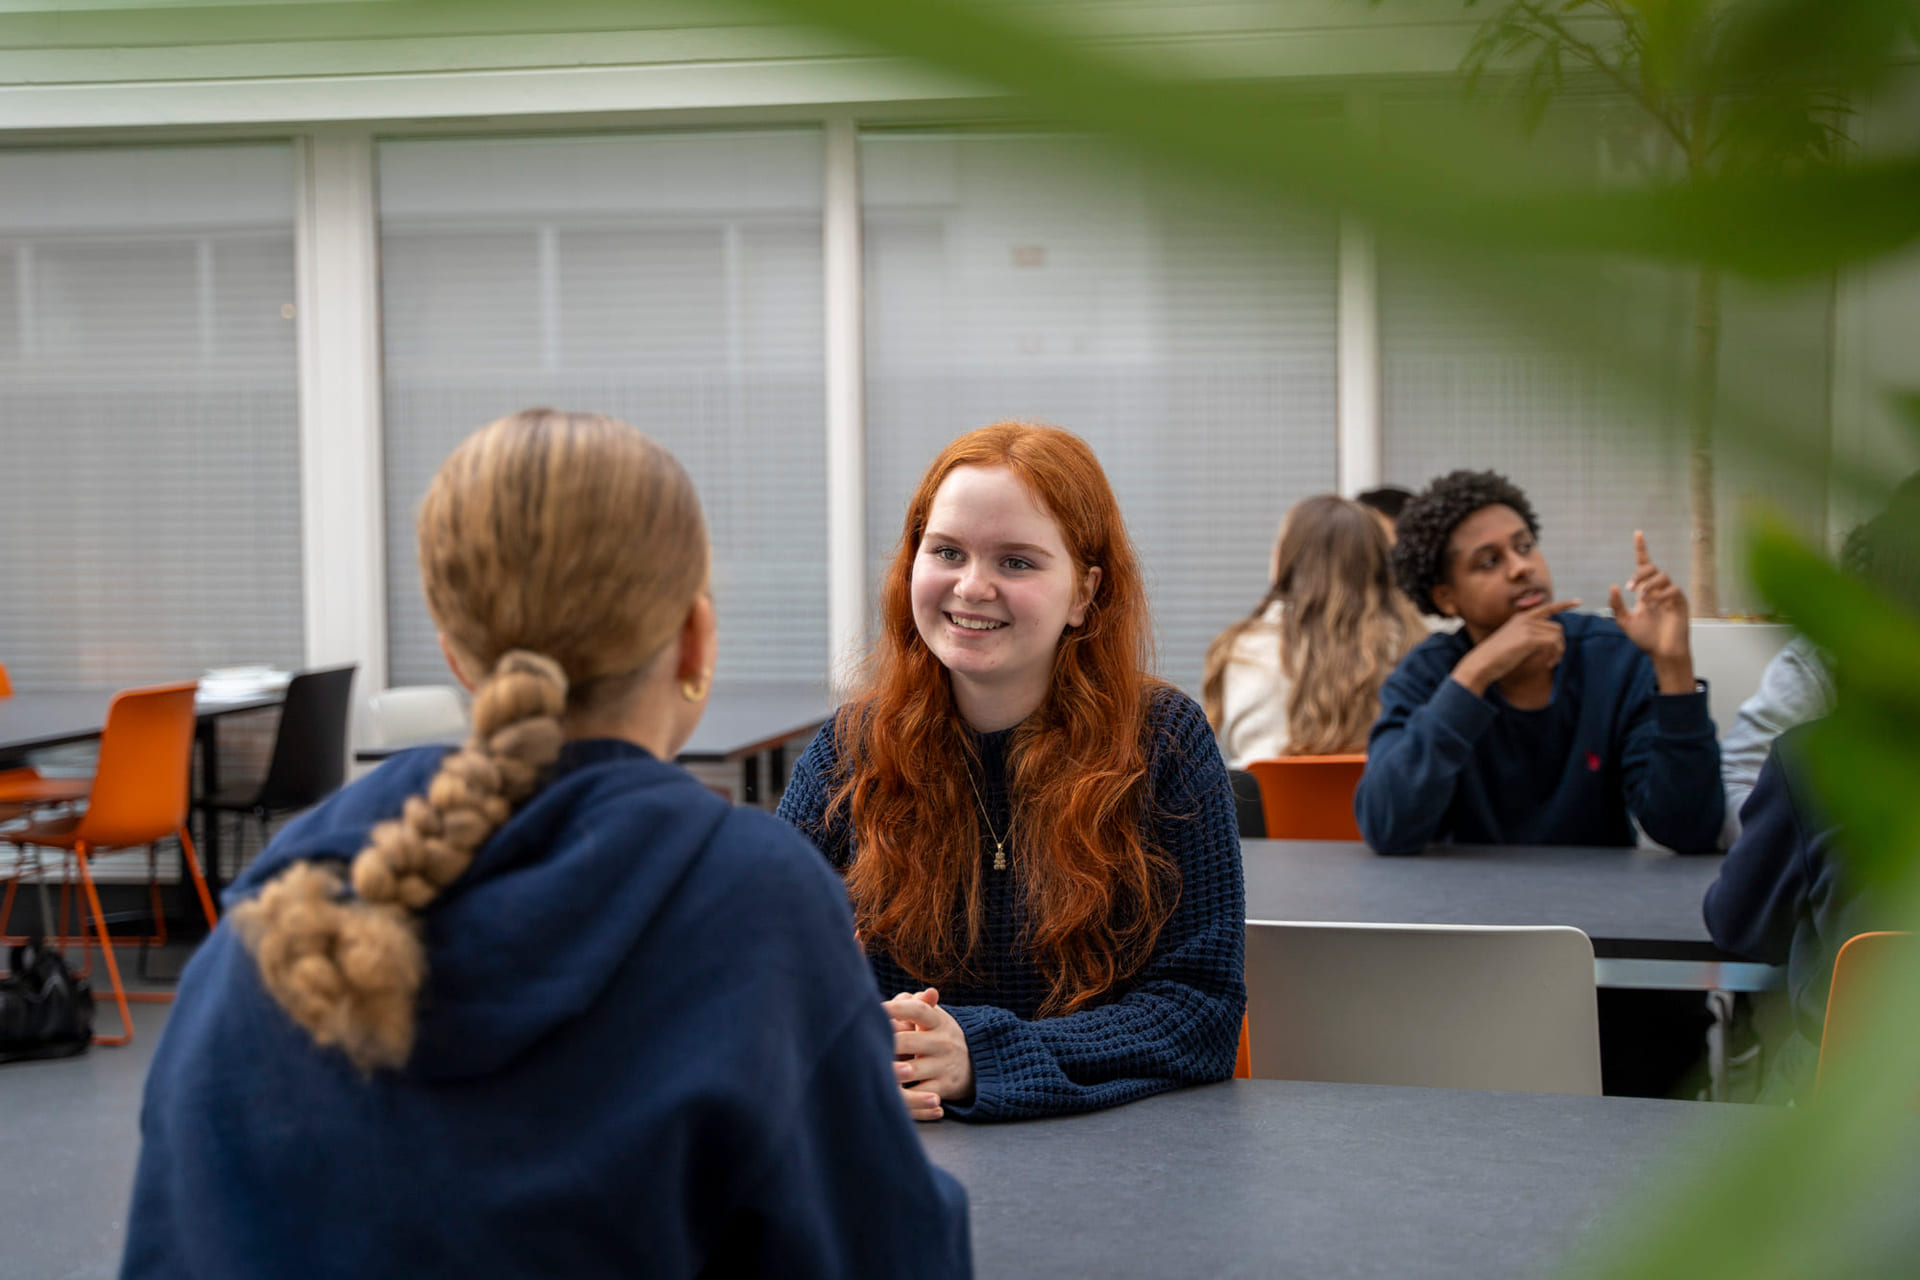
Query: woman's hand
(1659,622)
(931,1061)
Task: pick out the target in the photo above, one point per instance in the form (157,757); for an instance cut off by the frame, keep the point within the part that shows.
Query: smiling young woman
(1038,836)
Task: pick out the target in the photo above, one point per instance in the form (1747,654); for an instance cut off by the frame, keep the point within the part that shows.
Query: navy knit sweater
(1175,1022)
(1443,764)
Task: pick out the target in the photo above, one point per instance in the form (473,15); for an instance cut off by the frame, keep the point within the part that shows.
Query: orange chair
(26,788)
(139,796)
(1309,797)
(1243,1061)
(1859,972)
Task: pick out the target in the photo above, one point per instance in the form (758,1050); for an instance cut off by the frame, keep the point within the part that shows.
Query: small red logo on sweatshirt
(1593,762)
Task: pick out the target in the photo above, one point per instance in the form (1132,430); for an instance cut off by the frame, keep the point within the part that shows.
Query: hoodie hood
(530,936)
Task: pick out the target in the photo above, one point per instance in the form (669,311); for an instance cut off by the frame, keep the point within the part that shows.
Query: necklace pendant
(999,856)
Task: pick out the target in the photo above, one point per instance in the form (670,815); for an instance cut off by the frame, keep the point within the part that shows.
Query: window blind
(1020,275)
(674,281)
(151,497)
(1465,386)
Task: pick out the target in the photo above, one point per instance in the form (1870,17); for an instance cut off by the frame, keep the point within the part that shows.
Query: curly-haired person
(1532,724)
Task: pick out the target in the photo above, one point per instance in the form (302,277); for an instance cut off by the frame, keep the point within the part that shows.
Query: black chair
(309,759)
(1246,805)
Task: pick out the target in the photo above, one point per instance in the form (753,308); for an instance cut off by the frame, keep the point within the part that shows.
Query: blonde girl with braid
(544,1004)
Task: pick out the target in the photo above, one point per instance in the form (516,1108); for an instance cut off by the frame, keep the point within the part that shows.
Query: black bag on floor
(45,1012)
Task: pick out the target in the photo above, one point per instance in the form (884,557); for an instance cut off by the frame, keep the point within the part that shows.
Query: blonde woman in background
(543,1005)
(1301,674)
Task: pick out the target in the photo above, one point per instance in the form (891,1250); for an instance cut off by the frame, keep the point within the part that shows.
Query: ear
(1443,600)
(699,641)
(454,663)
(1083,600)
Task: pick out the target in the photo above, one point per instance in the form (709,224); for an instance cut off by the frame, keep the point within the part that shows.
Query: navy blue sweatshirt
(1781,899)
(647,1045)
(1175,1022)
(1443,764)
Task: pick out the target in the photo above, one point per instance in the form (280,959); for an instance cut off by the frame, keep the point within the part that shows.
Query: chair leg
(199,881)
(6,904)
(159,937)
(73,925)
(106,951)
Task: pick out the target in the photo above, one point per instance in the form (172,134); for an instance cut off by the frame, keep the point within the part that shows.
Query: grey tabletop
(1264,1178)
(1633,903)
(743,719)
(29,721)
(740,721)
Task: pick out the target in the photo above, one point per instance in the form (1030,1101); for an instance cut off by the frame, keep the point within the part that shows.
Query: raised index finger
(1640,556)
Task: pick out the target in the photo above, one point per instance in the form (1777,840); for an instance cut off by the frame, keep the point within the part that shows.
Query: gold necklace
(999,845)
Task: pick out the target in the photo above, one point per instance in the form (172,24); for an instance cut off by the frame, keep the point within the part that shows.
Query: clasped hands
(931,1061)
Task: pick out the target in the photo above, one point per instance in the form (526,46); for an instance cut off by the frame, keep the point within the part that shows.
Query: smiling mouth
(974,624)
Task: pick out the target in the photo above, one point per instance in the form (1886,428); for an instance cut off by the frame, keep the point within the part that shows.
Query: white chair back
(416,713)
(1450,1006)
(1730,656)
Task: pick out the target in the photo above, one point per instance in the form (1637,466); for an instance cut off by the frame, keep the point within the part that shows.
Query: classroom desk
(1292,1178)
(35,721)
(1640,907)
(742,724)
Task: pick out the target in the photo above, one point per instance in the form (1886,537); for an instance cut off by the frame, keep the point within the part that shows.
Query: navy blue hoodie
(1782,898)
(1443,764)
(647,1045)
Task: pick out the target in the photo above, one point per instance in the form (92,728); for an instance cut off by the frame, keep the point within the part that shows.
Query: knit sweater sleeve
(804,802)
(1670,766)
(1177,1021)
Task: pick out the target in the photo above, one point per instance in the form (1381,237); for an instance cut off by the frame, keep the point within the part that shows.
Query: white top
(1253,695)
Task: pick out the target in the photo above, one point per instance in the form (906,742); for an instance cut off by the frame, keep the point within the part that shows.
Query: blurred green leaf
(1875,643)
(1799,1195)
(1776,45)
(1474,188)
(1818,1191)
(1865,756)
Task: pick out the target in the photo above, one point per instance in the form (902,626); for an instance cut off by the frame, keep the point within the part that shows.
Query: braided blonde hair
(560,553)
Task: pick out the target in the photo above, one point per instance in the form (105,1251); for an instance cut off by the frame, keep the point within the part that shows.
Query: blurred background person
(1301,674)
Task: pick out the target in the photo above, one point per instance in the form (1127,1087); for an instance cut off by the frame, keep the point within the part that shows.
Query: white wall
(135,64)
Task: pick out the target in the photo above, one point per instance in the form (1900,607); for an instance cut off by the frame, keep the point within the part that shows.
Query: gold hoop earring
(694,690)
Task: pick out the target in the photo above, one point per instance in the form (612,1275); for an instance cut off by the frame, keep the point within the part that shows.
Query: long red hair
(1097,894)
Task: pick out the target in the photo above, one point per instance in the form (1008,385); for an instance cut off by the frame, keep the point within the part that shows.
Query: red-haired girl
(1037,835)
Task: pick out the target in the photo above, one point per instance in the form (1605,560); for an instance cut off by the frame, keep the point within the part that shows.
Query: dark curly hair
(1420,556)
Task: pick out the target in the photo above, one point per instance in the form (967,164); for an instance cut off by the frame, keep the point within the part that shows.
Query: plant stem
(1703,588)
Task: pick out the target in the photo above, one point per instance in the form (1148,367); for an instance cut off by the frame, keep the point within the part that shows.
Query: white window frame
(341,388)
